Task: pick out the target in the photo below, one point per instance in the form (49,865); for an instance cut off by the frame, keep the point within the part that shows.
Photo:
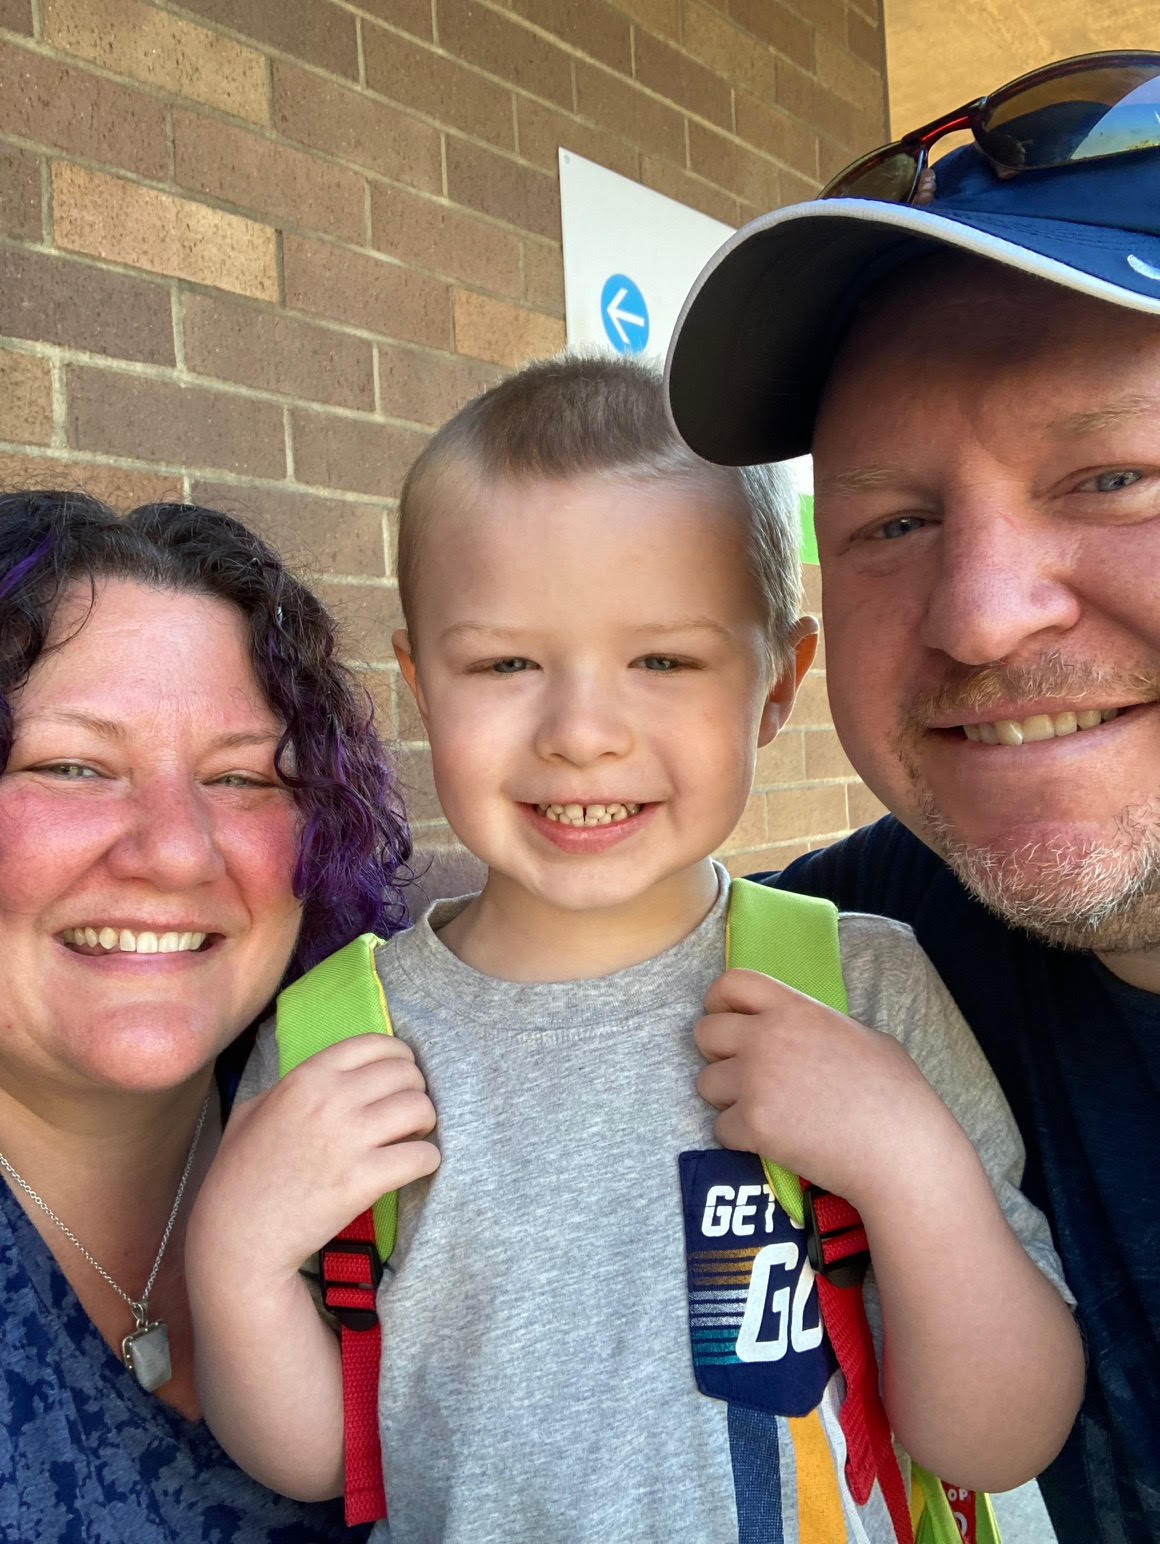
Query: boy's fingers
(356,1051)
(401,1116)
(731,1130)
(718,1083)
(747,991)
(717,1035)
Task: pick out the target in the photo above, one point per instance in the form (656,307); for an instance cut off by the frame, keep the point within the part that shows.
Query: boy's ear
(401,641)
(803,642)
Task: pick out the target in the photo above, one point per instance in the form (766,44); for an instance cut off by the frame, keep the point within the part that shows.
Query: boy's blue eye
(510,666)
(660,662)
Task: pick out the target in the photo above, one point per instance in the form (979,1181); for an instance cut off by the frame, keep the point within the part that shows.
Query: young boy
(601,631)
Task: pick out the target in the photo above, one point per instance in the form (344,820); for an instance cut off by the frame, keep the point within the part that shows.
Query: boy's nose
(583,722)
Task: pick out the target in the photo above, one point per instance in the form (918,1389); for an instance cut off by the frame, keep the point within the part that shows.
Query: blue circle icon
(624,314)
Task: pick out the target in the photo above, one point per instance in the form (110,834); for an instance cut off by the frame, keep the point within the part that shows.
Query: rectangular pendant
(146,1353)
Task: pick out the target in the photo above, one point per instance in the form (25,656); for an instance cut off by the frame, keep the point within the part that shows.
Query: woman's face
(146,847)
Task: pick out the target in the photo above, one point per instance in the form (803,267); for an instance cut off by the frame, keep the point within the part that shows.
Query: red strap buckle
(835,1238)
(350,1271)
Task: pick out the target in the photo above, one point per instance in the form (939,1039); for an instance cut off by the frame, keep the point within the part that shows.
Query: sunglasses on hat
(1080,109)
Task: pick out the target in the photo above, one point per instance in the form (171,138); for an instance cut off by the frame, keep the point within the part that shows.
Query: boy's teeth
(126,941)
(588,814)
(1040,726)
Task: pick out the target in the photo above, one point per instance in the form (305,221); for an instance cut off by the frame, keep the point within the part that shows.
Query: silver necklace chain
(138,1305)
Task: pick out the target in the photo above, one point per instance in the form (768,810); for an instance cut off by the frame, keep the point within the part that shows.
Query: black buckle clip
(850,1269)
(365,1249)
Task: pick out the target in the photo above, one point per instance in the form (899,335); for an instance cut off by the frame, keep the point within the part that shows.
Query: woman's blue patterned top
(87,1457)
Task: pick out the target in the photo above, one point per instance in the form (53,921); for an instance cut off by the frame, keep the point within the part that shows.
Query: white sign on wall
(630,258)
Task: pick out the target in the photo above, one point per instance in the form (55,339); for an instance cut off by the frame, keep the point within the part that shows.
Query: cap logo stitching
(1141,267)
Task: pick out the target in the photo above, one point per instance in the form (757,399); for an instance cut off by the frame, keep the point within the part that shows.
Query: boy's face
(594,644)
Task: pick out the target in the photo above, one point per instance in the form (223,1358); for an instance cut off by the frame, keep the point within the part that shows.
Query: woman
(193,807)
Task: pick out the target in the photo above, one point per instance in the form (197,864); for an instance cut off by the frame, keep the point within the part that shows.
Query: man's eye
(511,666)
(901,525)
(664,663)
(1112,482)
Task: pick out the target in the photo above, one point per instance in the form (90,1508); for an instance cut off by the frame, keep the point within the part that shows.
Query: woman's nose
(169,838)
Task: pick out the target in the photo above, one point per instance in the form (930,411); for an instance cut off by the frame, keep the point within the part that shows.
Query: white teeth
(1040,726)
(124,941)
(588,814)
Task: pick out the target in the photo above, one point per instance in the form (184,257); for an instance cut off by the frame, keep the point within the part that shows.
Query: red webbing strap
(869,1451)
(346,1288)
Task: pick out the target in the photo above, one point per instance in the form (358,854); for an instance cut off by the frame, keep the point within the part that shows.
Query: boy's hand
(801,1084)
(299,1161)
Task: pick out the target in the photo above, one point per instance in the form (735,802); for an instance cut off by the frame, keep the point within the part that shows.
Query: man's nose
(1002,581)
(169,838)
(583,721)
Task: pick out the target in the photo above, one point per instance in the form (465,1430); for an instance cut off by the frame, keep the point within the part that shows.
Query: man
(977,370)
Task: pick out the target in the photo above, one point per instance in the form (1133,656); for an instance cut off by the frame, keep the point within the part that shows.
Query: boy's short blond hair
(588,415)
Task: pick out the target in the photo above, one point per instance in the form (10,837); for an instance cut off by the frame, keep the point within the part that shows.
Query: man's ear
(401,641)
(803,643)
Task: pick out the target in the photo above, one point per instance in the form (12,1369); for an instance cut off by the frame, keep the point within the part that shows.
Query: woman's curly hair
(352,859)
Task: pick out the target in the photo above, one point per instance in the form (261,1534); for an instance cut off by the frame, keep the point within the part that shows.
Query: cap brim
(759,330)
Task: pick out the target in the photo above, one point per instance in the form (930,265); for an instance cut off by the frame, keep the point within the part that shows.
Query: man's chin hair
(1076,895)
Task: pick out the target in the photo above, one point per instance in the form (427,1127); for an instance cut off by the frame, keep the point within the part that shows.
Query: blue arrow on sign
(624,314)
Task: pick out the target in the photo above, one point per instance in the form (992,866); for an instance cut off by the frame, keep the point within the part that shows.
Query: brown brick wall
(253,251)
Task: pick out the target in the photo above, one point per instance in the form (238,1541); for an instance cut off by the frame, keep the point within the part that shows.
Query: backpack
(793,938)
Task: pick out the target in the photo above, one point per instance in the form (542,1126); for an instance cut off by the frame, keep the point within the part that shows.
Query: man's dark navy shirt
(1078,1054)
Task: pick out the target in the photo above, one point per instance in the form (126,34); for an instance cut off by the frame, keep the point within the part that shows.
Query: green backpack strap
(794,938)
(342,996)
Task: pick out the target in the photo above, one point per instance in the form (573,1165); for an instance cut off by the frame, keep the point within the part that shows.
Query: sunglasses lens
(887,174)
(1075,116)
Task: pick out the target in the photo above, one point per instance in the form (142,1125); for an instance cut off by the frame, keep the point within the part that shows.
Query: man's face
(988,511)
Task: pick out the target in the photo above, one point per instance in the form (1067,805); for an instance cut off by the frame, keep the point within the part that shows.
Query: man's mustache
(975,688)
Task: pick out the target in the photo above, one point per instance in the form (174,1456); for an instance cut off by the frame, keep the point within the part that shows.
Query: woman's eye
(241,780)
(71,771)
(511,666)
(1112,482)
(901,525)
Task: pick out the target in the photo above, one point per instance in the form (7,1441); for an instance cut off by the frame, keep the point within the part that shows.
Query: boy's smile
(590,661)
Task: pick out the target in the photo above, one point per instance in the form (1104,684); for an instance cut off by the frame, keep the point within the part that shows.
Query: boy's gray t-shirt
(537,1380)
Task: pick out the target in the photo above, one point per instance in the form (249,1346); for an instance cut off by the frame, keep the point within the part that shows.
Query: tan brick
(505,335)
(807,99)
(124,222)
(592,28)
(366,291)
(238,342)
(352,453)
(367,615)
(413,16)
(764,860)
(61,300)
(544,276)
(425,234)
(734,166)
(781,761)
(262,176)
(122,487)
(440,87)
(426,388)
(496,185)
(314,535)
(728,51)
(825,757)
(777,134)
(660,16)
(418,787)
(25,398)
(180,426)
(812,706)
(16,16)
(502,47)
(408,724)
(863,806)
(673,182)
(852,79)
(864,40)
(827,16)
(794,190)
(751,830)
(355,127)
(812,588)
(871,10)
(20,210)
(131,38)
(625,109)
(807,812)
(832,158)
(777,25)
(74,110)
(672,74)
(543,130)
(314,30)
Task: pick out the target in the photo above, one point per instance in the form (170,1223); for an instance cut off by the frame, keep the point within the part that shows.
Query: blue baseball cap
(759,332)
